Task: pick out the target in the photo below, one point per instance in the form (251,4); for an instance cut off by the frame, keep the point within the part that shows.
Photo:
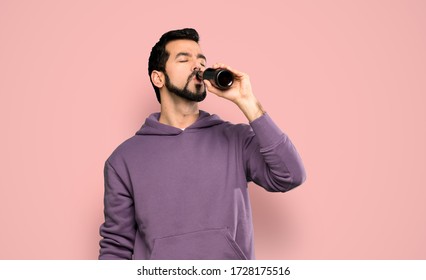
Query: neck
(179,112)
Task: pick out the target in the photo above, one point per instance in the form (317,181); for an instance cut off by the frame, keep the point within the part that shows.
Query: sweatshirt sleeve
(270,158)
(118,231)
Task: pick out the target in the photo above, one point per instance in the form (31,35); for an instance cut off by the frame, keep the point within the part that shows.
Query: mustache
(193,74)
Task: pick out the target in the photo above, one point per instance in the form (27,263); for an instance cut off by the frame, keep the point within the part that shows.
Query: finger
(220,65)
(217,65)
(224,66)
(210,87)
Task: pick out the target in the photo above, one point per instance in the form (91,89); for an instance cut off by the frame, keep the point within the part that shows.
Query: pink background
(344,79)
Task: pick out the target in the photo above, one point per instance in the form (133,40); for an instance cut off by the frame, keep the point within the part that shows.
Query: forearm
(273,162)
(251,108)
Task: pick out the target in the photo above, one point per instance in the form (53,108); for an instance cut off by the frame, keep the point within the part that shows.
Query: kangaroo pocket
(211,244)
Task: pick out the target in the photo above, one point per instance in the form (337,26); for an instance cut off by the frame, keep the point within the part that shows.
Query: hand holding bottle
(239,92)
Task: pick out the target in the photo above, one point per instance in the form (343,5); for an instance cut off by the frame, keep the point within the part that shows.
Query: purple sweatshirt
(182,194)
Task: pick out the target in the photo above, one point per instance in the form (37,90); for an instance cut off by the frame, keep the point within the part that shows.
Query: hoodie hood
(153,127)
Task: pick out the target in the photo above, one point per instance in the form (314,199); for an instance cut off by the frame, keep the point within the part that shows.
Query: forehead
(177,46)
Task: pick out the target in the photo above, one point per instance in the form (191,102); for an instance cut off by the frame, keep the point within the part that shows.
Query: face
(185,60)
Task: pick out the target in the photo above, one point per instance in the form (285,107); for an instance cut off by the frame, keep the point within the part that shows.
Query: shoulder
(124,150)
(239,131)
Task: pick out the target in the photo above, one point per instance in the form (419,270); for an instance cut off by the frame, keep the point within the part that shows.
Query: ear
(157,78)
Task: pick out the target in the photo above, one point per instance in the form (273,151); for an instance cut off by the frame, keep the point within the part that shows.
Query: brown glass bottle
(220,78)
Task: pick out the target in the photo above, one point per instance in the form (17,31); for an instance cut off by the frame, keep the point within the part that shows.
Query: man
(178,188)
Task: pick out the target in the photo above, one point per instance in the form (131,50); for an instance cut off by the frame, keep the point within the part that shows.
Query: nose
(197,66)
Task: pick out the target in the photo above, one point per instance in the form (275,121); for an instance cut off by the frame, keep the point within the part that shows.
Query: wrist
(251,108)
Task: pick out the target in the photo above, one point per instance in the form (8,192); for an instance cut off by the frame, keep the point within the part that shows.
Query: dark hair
(159,55)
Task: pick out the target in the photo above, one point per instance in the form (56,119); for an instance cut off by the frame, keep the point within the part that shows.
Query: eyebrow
(202,56)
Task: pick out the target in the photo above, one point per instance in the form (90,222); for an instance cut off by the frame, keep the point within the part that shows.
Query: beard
(197,96)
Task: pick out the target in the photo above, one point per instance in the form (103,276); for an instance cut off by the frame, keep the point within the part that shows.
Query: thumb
(210,87)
